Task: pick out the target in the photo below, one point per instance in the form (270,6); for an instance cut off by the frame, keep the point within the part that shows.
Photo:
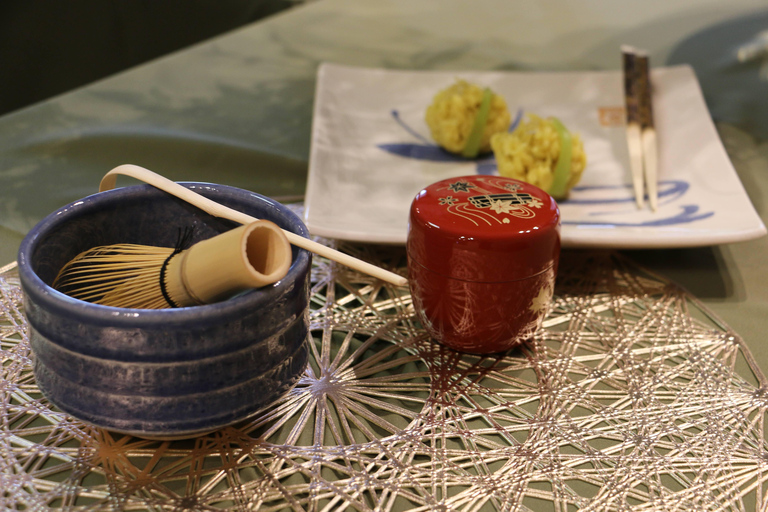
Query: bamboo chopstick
(219,210)
(650,156)
(641,133)
(634,133)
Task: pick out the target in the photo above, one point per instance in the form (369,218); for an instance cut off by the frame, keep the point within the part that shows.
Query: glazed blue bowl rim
(50,299)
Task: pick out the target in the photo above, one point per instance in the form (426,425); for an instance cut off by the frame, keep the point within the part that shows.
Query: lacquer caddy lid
(484,229)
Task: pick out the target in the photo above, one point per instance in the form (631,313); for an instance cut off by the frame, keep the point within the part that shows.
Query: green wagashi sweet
(463,117)
(541,152)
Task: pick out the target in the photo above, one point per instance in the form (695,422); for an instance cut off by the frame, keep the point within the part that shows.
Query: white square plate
(371,153)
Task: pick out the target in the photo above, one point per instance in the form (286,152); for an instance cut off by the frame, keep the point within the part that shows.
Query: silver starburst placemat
(632,397)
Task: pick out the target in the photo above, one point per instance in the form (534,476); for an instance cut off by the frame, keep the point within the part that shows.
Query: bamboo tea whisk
(146,277)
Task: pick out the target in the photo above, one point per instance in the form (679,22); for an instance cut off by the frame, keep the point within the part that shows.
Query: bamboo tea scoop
(218,210)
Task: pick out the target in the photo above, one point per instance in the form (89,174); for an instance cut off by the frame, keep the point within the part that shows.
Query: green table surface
(238,109)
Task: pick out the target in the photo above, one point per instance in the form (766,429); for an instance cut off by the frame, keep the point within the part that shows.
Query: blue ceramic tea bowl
(168,373)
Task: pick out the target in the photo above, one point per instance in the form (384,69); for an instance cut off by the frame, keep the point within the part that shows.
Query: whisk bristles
(121,275)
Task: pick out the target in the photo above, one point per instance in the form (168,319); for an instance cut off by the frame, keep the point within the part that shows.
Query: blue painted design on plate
(429,152)
(670,189)
(434,153)
(689,213)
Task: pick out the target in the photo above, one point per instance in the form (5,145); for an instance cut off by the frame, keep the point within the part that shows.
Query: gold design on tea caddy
(478,207)
(543,300)
(631,397)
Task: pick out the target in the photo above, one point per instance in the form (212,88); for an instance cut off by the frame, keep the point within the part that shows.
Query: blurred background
(48,47)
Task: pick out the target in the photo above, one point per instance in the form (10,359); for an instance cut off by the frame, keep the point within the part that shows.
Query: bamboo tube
(250,256)
(218,210)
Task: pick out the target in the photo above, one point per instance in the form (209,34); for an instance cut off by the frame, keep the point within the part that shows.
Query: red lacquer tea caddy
(482,260)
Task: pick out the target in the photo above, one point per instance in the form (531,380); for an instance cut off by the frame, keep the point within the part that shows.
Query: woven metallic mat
(632,397)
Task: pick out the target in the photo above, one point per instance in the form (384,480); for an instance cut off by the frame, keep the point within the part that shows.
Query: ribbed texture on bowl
(171,372)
